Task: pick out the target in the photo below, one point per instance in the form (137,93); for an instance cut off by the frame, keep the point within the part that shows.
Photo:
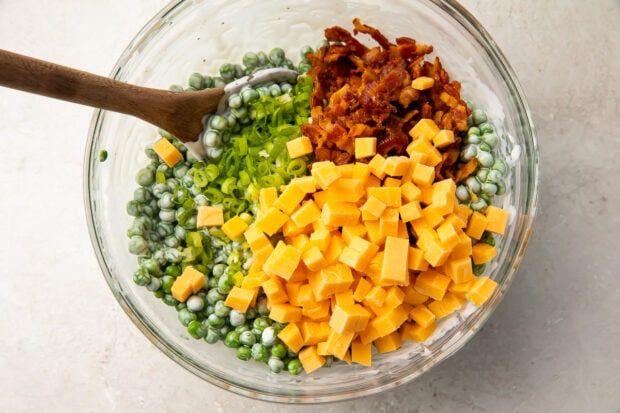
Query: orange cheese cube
(425,129)
(344,298)
(476,225)
(330,280)
(396,165)
(320,311)
(410,192)
(497,219)
(389,321)
(338,344)
(415,332)
(305,183)
(373,206)
(340,214)
(443,138)
(290,229)
(345,190)
(422,315)
(299,147)
(481,253)
(423,175)
(299,241)
(388,222)
(376,165)
(365,147)
(209,216)
(481,290)
(415,260)
(459,269)
(190,281)
(349,318)
(306,214)
(376,296)
(363,287)
(422,83)
(432,284)
(389,182)
(346,170)
(334,249)
(410,211)
(320,238)
(412,296)
(446,306)
(292,291)
(283,260)
(365,248)
(448,235)
(373,232)
(424,153)
(291,336)
(239,299)
(263,253)
(443,198)
(432,216)
(353,259)
(255,238)
(289,199)
(463,248)
(266,198)
(271,220)
(463,212)
(234,227)
(394,296)
(361,353)
(390,196)
(353,231)
(285,313)
(436,254)
(274,290)
(394,269)
(167,152)
(460,289)
(310,359)
(388,343)
(324,173)
(254,279)
(361,172)
(312,332)
(314,259)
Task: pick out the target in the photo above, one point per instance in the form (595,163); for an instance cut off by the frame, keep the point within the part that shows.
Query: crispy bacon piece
(366,91)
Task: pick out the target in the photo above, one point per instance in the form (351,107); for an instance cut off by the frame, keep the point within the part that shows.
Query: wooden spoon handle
(172,111)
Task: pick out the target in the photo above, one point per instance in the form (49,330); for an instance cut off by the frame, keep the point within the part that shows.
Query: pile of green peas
(482,143)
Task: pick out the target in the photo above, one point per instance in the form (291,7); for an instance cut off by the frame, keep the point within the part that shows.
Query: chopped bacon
(366,91)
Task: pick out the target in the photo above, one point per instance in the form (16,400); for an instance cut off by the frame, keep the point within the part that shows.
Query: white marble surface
(65,344)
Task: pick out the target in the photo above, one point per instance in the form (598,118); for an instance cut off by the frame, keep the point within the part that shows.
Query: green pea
(145,177)
(141,277)
(236,318)
(247,338)
(294,366)
(216,321)
(250,59)
(462,193)
(478,116)
(244,353)
(134,208)
(154,284)
(168,299)
(277,56)
(137,245)
(275,364)
(195,303)
(227,72)
(487,238)
(173,270)
(260,323)
(232,339)
(196,81)
(185,316)
(212,335)
(268,336)
(221,310)
(485,128)
(279,350)
(478,269)
(260,352)
(196,329)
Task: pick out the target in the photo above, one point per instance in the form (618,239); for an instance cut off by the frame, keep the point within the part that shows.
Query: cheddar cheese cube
(497,219)
(422,315)
(324,173)
(410,192)
(189,282)
(314,259)
(349,318)
(394,269)
(338,344)
(209,216)
(388,343)
(340,214)
(285,313)
(412,296)
(448,236)
(410,211)
(305,183)
(415,332)
(167,152)
(423,175)
(396,165)
(299,147)
(350,232)
(424,129)
(266,198)
(330,280)
(274,290)
(365,147)
(476,225)
(239,298)
(424,152)
(361,353)
(432,283)
(376,296)
(482,253)
(345,190)
(443,138)
(376,166)
(389,321)
(390,196)
(307,213)
(415,260)
(282,261)
(289,199)
(447,305)
(310,359)
(481,290)
(373,206)
(292,337)
(271,220)
(459,269)
(363,287)
(234,227)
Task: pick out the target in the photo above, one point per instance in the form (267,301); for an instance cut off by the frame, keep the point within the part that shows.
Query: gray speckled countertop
(552,345)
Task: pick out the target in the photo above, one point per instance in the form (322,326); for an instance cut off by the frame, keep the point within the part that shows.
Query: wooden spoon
(179,113)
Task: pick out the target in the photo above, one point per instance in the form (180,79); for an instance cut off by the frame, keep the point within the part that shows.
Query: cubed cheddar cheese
(167,152)
(424,129)
(386,323)
(394,268)
(285,313)
(188,283)
(432,283)
(424,152)
(313,258)
(289,199)
(476,225)
(480,291)
(338,344)
(350,232)
(274,290)
(340,213)
(376,166)
(324,173)
(497,219)
(305,183)
(365,147)
(361,353)
(390,196)
(423,175)
(396,165)
(410,211)
(234,227)
(310,359)
(299,147)
(388,343)
(447,305)
(283,260)
(415,260)
(375,296)
(239,298)
(271,220)
(330,280)
(459,269)
(448,235)
(307,213)
(422,83)
(410,192)
(266,198)
(345,190)
(415,332)
(482,253)
(413,297)
(292,337)
(443,138)
(209,216)
(373,206)
(422,315)
(349,318)
(363,287)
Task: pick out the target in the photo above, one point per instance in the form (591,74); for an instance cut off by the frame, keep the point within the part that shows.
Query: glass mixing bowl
(198,36)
